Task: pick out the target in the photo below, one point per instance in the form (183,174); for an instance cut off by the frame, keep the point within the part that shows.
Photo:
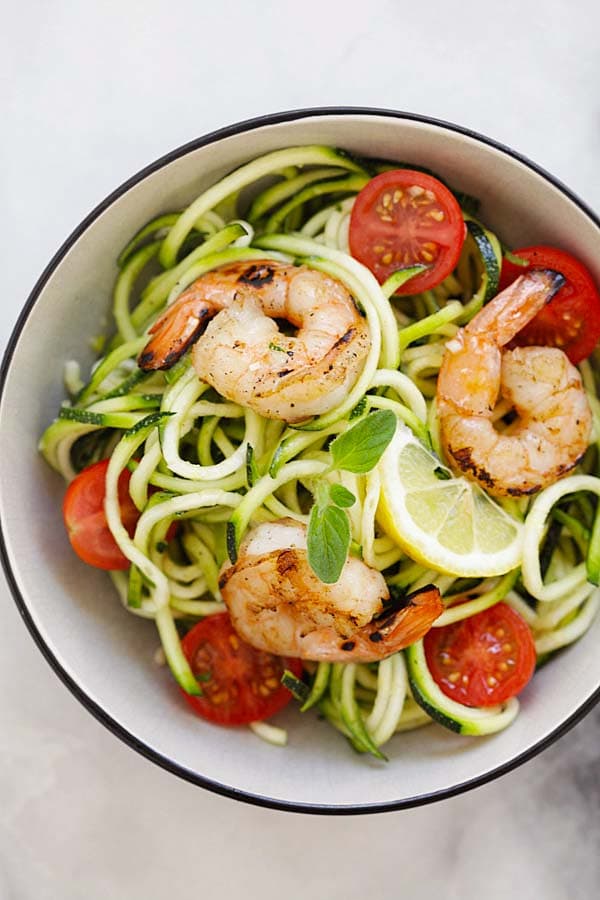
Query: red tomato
(83,513)
(239,684)
(401,218)
(483,660)
(571,321)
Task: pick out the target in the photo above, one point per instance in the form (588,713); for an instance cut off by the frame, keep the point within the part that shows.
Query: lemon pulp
(443,522)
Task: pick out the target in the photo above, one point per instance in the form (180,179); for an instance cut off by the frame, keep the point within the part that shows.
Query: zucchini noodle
(216,468)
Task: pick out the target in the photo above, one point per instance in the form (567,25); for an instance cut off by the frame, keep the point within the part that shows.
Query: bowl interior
(107,652)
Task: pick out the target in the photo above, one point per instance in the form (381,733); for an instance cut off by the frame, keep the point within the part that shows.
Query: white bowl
(103,654)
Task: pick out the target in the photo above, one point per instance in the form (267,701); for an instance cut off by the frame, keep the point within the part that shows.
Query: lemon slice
(443,522)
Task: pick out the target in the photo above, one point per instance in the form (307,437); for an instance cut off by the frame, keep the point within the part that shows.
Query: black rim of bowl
(99,713)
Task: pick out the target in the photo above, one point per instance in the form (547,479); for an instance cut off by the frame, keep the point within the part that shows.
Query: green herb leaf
(328,540)
(442,473)
(359,449)
(341,496)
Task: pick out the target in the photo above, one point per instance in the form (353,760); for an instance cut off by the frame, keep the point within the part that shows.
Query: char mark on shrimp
(387,620)
(397,603)
(463,456)
(286,562)
(559,472)
(345,338)
(525,491)
(168,345)
(257,275)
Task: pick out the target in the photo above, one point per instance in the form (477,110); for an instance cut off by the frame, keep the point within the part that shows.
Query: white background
(90,93)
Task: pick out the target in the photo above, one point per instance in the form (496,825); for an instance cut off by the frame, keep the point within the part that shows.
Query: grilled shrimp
(554,421)
(243,354)
(278,604)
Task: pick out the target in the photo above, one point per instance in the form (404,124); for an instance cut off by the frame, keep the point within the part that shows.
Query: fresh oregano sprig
(341,496)
(357,450)
(328,536)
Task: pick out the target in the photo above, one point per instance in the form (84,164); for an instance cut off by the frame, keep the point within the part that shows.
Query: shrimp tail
(558,280)
(183,323)
(396,627)
(413,614)
(515,306)
(175,332)
(400,625)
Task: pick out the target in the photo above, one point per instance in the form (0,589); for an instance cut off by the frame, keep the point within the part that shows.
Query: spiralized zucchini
(206,462)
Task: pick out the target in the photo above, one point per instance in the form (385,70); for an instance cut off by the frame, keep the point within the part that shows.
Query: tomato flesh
(83,513)
(404,217)
(571,320)
(239,683)
(483,660)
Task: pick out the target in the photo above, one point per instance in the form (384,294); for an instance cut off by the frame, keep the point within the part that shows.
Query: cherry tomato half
(571,321)
(239,683)
(483,660)
(404,217)
(83,513)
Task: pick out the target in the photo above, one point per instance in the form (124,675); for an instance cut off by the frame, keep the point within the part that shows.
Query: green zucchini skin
(488,257)
(454,716)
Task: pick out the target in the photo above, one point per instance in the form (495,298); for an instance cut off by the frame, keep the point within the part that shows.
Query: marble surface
(92,92)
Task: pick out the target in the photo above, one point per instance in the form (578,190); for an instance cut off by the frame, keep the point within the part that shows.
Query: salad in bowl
(300,439)
(339,444)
